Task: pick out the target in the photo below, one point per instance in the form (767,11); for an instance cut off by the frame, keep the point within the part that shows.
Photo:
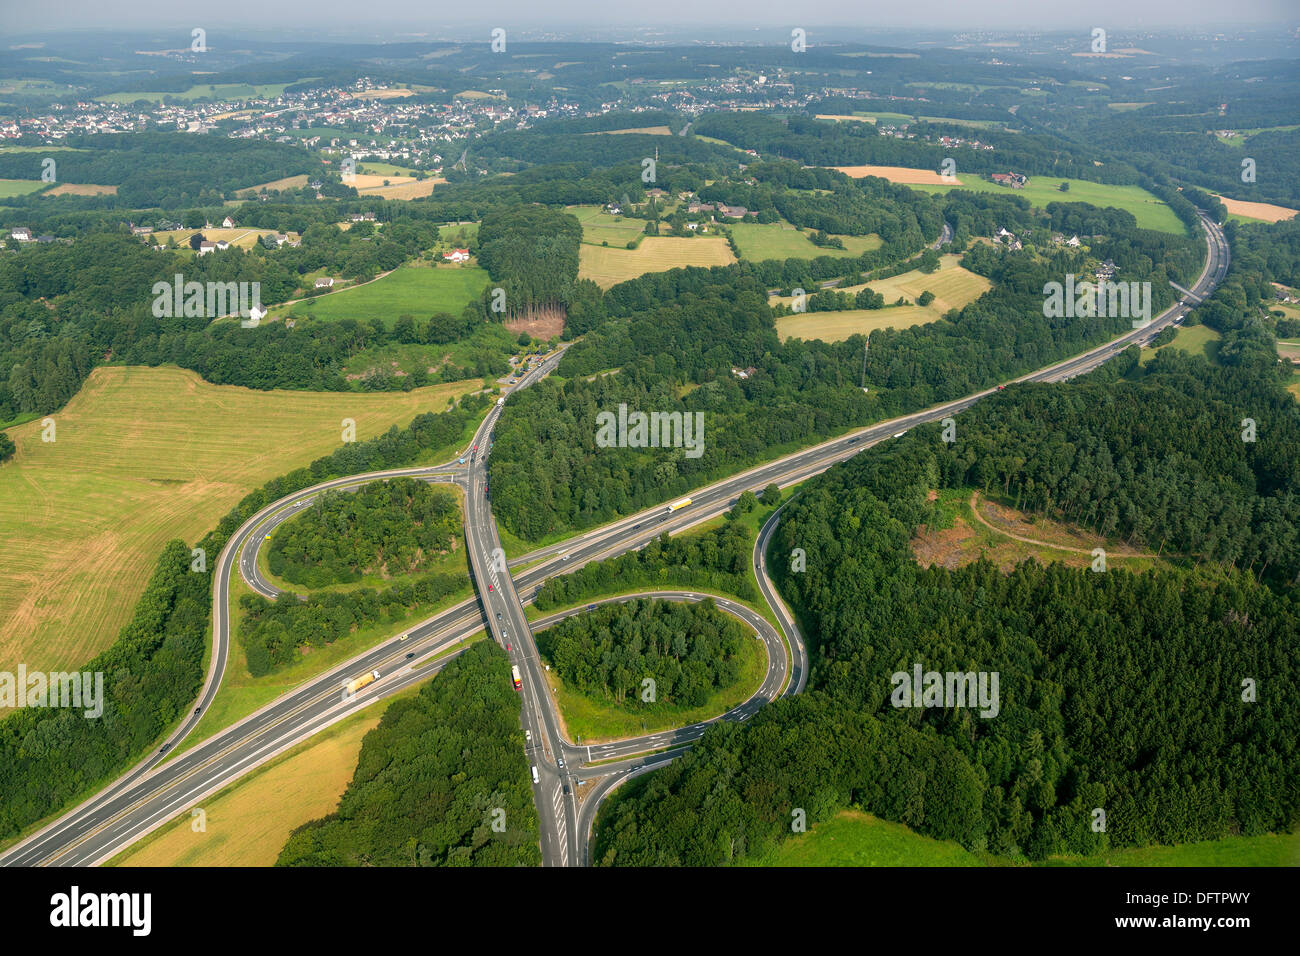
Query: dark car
(409,656)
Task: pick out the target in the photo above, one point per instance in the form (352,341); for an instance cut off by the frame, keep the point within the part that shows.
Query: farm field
(249,821)
(18,187)
(219,91)
(599,226)
(1149,211)
(610,266)
(1261,211)
(416,290)
(952,285)
(240,237)
(900,174)
(645,130)
(275,185)
(778,240)
(142,456)
(82,189)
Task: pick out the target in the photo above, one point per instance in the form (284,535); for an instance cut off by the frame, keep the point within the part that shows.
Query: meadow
(600,227)
(610,266)
(412,289)
(142,456)
(952,285)
(854,838)
(1149,211)
(19,187)
(780,240)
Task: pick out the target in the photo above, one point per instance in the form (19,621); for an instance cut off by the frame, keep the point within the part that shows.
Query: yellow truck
(678,504)
(357,683)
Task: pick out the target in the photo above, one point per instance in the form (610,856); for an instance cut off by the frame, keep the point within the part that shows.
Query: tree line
(442,781)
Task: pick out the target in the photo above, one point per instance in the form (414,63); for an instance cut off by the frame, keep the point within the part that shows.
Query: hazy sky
(342,18)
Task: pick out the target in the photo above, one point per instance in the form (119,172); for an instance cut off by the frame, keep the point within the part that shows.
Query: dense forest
(275,632)
(442,781)
(685,330)
(688,650)
(163,169)
(531,253)
(1160,698)
(385,528)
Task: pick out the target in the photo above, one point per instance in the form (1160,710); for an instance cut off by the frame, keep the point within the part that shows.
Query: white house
(325,283)
(227,223)
(21,233)
(457,255)
(206,246)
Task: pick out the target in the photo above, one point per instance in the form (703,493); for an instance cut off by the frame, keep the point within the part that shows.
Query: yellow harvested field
(247,823)
(648,130)
(239,237)
(81,189)
(953,287)
(275,185)
(1266,212)
(608,266)
(900,174)
(142,456)
(404,187)
(381,94)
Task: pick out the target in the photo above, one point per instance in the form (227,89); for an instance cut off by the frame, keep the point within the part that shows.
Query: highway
(156,790)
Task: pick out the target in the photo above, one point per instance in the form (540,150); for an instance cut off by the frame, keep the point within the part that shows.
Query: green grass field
(18,187)
(1149,211)
(219,91)
(416,290)
(1192,339)
(782,241)
(600,227)
(854,838)
(952,285)
(142,456)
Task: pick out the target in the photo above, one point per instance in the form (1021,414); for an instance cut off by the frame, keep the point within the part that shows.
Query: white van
(534,773)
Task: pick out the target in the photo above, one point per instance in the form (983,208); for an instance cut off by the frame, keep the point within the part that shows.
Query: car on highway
(460,460)
(498,615)
(409,656)
(1002,388)
(591,607)
(559,760)
(404,637)
(535,773)
(528,735)
(490,587)
(635,527)
(197,709)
